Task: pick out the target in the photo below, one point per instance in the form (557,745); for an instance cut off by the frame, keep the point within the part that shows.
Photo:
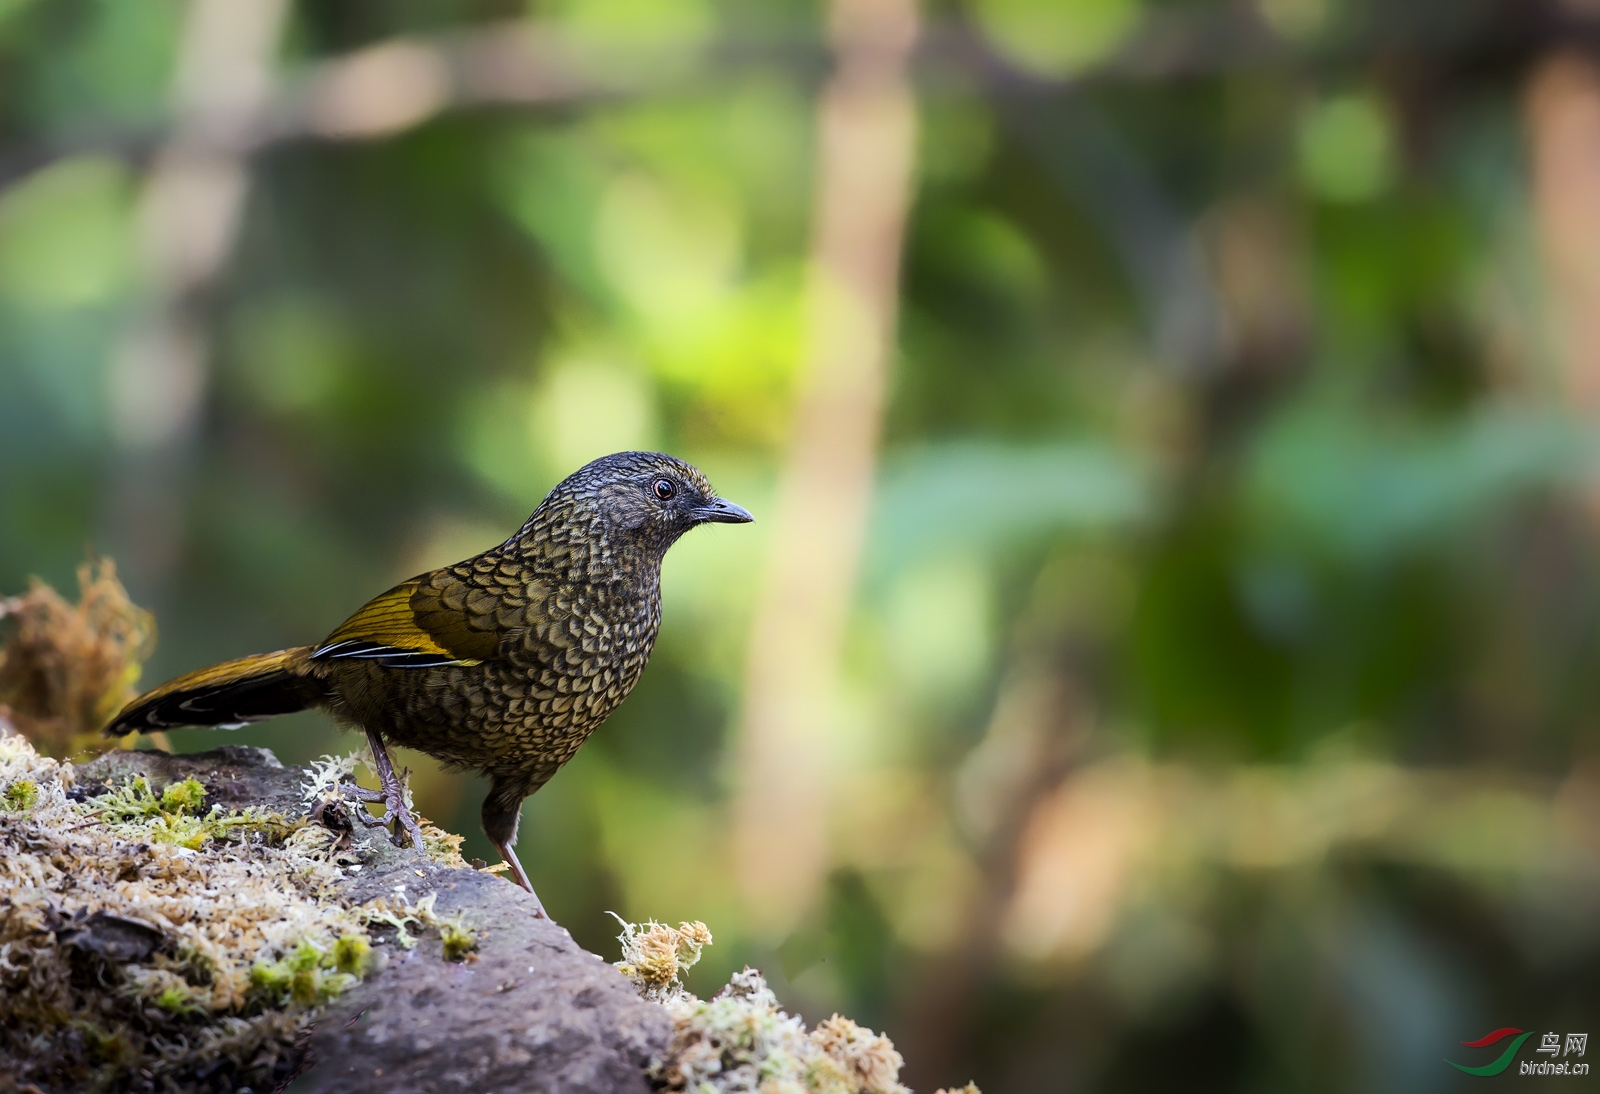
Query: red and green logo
(1505,1057)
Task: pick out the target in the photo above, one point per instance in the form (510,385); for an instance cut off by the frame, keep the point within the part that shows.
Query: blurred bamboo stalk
(866,136)
(188,215)
(1562,112)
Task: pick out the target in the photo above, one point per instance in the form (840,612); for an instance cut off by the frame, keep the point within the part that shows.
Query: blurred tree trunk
(866,136)
(188,216)
(1562,111)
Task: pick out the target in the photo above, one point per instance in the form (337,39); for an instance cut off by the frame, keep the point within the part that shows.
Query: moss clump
(352,954)
(146,941)
(655,955)
(21,795)
(171,816)
(459,940)
(183,797)
(306,976)
(178,999)
(134,924)
(740,1040)
(855,1059)
(441,846)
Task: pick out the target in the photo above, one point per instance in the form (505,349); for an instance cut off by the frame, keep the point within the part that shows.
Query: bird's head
(648,498)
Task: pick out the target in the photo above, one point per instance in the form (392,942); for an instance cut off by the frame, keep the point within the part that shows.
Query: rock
(533,1013)
(112,938)
(530,1011)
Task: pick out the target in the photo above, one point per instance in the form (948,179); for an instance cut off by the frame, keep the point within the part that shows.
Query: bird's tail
(229,695)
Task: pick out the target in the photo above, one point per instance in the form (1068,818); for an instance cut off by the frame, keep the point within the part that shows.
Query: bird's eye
(665,489)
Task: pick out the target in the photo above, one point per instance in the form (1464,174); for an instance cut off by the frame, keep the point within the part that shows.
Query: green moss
(109,1046)
(305,987)
(173,816)
(352,954)
(133,801)
(459,939)
(220,824)
(184,797)
(21,795)
(230,986)
(177,999)
(310,975)
(271,979)
(176,829)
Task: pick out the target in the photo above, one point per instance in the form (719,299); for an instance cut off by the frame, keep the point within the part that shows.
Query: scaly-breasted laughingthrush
(504,663)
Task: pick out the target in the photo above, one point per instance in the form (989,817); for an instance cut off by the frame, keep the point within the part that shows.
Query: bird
(503,663)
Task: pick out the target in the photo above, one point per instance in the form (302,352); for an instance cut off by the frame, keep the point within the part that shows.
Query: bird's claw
(395,817)
(362,796)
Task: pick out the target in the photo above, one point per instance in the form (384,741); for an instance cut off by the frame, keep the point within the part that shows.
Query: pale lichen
(139,933)
(741,1041)
(325,776)
(457,940)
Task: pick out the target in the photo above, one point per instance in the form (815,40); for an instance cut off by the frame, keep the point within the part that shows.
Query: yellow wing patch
(388,629)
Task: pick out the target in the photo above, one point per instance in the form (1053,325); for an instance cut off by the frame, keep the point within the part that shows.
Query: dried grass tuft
(66,669)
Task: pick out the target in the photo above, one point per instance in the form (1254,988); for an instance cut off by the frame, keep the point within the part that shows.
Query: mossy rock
(486,998)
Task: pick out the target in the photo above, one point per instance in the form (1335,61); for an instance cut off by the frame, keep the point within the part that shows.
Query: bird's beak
(722,511)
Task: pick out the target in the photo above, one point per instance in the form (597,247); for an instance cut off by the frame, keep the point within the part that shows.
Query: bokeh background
(1166,657)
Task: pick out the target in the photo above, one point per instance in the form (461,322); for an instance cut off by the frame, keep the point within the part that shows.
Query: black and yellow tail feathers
(230,694)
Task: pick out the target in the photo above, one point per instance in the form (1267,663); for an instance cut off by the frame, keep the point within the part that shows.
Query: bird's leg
(521,878)
(394,818)
(393,795)
(502,812)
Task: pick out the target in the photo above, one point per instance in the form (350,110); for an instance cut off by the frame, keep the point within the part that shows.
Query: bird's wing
(440,618)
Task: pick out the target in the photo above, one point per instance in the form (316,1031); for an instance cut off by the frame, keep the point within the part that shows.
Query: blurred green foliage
(1228,434)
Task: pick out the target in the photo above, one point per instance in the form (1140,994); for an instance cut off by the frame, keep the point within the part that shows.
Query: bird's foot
(361,796)
(396,816)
